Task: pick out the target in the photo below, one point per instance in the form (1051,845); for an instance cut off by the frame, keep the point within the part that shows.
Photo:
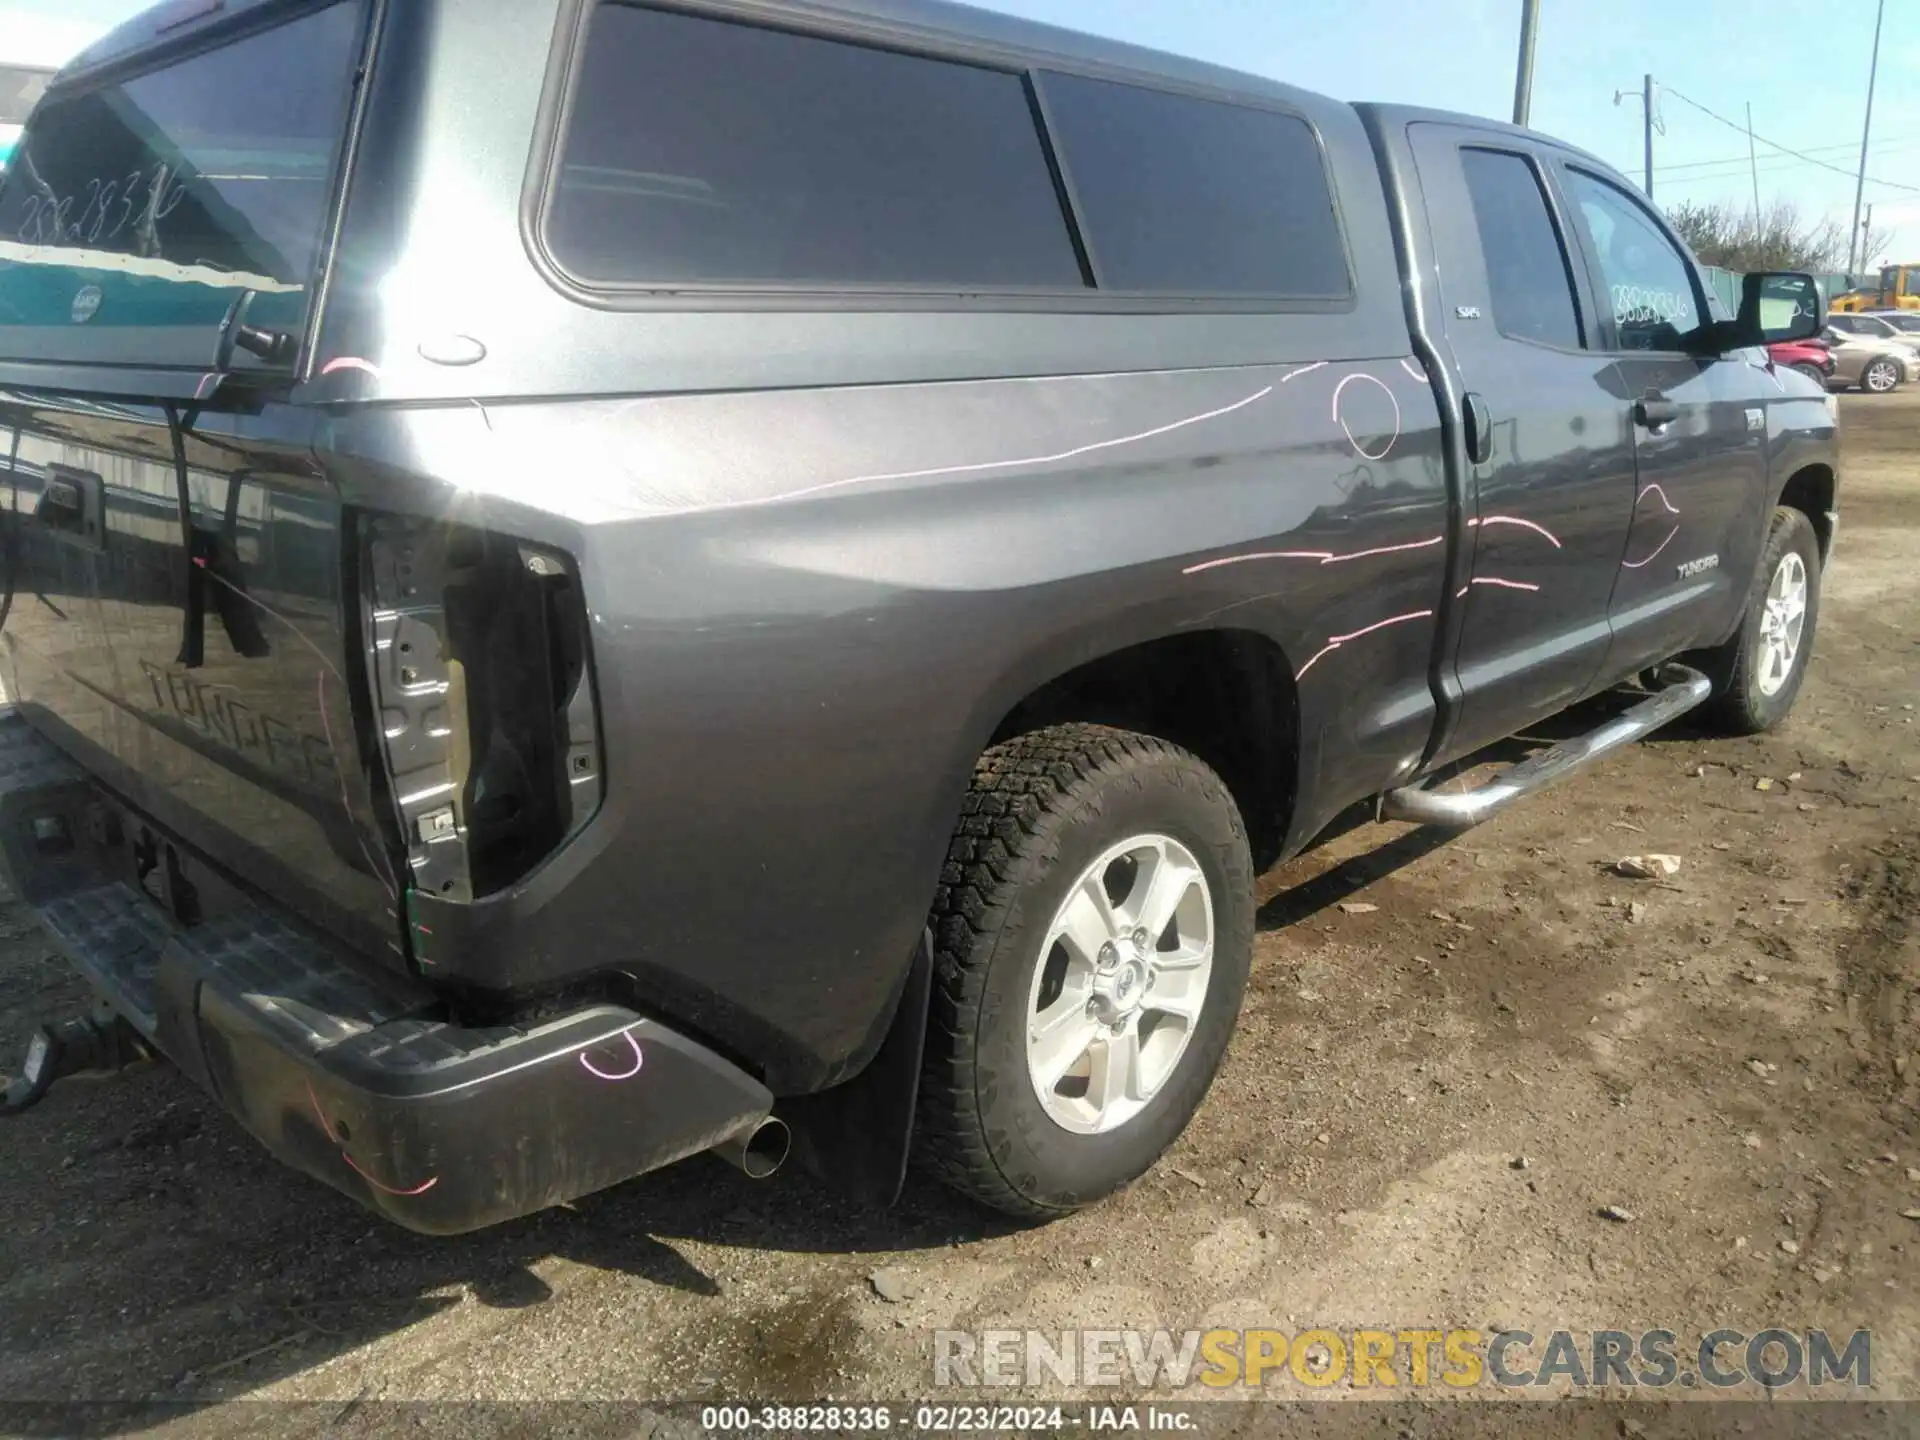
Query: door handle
(1654,411)
(1479,430)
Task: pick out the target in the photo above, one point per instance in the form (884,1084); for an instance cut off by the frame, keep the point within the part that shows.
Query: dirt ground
(1736,1064)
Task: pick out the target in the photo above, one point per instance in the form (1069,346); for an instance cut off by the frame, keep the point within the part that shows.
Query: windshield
(157,199)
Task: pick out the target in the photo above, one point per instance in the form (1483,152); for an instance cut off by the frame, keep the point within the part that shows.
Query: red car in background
(1812,358)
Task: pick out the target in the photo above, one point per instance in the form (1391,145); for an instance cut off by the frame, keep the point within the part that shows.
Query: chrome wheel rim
(1881,377)
(1119,985)
(1783,622)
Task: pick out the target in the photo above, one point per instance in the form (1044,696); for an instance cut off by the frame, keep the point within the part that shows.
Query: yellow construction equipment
(1899,289)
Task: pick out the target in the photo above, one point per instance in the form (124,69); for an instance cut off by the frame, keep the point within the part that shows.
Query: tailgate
(178,603)
(208,686)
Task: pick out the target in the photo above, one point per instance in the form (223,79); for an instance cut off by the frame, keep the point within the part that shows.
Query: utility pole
(1866,133)
(1753,165)
(1646,119)
(1866,236)
(1523,78)
(1646,105)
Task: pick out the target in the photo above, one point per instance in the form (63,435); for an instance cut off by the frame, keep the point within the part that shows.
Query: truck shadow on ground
(213,1270)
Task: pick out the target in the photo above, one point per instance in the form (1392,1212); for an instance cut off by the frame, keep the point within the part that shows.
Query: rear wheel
(1092,933)
(1881,376)
(1757,674)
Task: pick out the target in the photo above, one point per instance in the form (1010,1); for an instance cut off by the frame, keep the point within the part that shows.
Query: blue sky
(1803,67)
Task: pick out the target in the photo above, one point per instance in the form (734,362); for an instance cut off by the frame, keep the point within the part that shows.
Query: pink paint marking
(1491,580)
(1655,490)
(1385,550)
(1334,642)
(1324,557)
(419,1189)
(327,1130)
(1551,538)
(1321,555)
(1642,564)
(1059,457)
(320,1115)
(1398,419)
(1415,371)
(1315,661)
(1381,625)
(1303,370)
(638,1060)
(351,362)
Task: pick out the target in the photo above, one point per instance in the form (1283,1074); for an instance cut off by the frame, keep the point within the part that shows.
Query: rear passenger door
(1550,495)
(1700,501)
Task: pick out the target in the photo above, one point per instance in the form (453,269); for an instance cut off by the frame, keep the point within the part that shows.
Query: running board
(1681,689)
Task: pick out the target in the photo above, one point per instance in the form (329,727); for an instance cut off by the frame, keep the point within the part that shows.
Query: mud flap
(857,1136)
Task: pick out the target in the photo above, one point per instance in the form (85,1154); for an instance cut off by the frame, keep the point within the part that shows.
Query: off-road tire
(1738,707)
(1042,808)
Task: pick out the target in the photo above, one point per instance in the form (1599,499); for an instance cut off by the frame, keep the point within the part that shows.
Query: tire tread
(1016,785)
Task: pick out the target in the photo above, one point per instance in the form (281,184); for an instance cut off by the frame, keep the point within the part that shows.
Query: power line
(1843,146)
(1785,149)
(1772,165)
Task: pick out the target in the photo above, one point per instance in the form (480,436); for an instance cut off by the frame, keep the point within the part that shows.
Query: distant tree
(1777,239)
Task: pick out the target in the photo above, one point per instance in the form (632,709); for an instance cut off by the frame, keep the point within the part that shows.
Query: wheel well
(1225,695)
(1810,491)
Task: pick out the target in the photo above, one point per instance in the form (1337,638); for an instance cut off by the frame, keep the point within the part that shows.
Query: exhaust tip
(759,1150)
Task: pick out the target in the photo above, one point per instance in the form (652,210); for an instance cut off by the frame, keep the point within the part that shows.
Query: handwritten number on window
(145,198)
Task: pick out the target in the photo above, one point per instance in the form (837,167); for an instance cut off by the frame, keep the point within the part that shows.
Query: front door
(1699,427)
(1552,487)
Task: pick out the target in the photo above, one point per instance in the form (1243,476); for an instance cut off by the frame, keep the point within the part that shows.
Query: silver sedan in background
(1873,363)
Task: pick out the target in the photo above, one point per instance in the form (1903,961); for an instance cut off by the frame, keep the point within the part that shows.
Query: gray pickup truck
(591,581)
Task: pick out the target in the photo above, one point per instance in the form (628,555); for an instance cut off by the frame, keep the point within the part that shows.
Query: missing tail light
(482,677)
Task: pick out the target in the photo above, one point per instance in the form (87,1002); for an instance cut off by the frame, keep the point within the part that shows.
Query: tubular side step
(1681,689)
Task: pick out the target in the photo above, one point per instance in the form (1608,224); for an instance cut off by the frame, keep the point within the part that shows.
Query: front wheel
(1757,674)
(1812,372)
(1092,933)
(1880,377)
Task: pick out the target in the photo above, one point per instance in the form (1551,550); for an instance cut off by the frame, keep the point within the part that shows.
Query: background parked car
(1907,322)
(1869,361)
(1812,358)
(1875,327)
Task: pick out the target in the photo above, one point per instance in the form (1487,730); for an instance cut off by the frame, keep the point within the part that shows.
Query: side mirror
(1775,306)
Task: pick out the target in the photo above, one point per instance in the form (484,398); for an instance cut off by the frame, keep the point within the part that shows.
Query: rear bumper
(353,1076)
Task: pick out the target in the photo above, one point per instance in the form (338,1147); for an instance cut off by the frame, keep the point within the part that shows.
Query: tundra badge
(1696,567)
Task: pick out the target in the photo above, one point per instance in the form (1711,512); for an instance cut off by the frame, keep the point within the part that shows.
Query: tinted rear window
(706,152)
(220,163)
(1197,197)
